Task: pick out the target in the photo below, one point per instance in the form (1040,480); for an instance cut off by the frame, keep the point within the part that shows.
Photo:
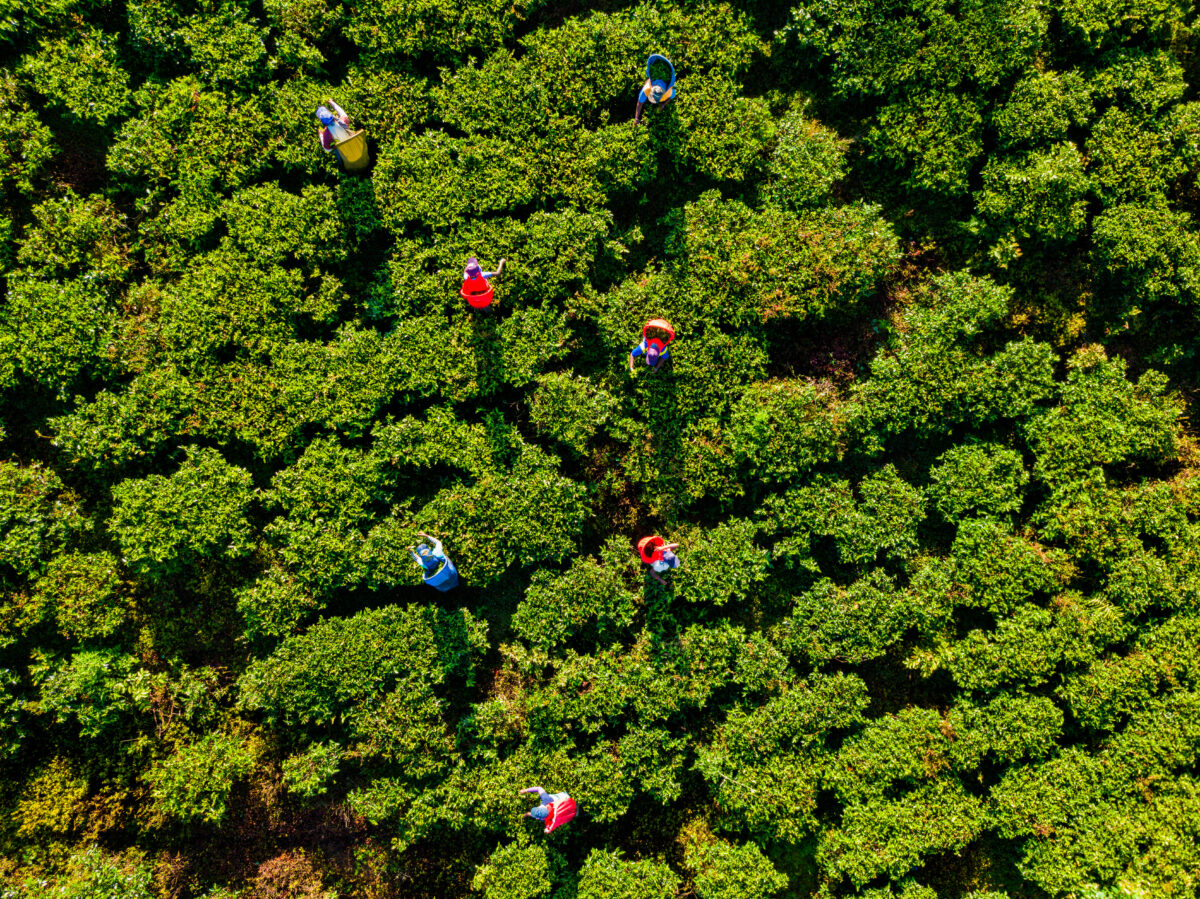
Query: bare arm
(637,115)
(341,112)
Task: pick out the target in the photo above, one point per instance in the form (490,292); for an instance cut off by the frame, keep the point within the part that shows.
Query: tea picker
(439,571)
(475,287)
(556,809)
(657,335)
(350,146)
(659,555)
(655,90)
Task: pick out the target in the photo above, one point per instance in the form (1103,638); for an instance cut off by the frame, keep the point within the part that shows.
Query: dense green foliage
(924,441)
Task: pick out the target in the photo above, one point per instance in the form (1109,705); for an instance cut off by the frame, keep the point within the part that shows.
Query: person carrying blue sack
(439,571)
(655,90)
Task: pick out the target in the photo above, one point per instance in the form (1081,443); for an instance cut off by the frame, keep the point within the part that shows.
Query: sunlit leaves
(166,524)
(194,782)
(83,75)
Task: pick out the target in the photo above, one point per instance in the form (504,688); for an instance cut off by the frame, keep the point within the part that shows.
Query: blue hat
(652,355)
(325,117)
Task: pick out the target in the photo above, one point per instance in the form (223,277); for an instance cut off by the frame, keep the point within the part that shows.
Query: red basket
(652,544)
(560,814)
(662,325)
(477,300)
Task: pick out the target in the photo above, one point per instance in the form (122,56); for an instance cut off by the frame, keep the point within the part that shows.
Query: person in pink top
(334,128)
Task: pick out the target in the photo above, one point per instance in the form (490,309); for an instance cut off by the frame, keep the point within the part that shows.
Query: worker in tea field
(475,287)
(474,272)
(334,128)
(657,335)
(439,571)
(349,146)
(556,809)
(655,90)
(659,555)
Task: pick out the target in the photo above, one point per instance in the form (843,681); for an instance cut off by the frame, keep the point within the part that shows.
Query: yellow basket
(353,151)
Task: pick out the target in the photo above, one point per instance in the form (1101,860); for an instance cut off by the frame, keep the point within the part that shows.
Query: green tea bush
(852,625)
(1103,418)
(557,607)
(92,690)
(326,498)
(340,666)
(937,818)
(445,31)
(606,875)
(808,159)
(77,237)
(725,135)
(1131,163)
(514,872)
(226,50)
(1042,108)
(55,333)
(740,264)
(84,590)
(783,429)
(936,136)
(726,871)
(923,438)
(25,143)
(83,75)
(722,565)
(38,516)
(981,479)
(1043,195)
(570,410)
(193,784)
(93,875)
(165,525)
(1150,252)
(308,774)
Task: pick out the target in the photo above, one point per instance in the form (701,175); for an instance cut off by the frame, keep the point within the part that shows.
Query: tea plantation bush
(923,442)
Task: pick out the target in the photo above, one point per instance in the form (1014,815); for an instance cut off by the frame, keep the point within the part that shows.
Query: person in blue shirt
(657,335)
(439,571)
(653,353)
(654,91)
(541,811)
